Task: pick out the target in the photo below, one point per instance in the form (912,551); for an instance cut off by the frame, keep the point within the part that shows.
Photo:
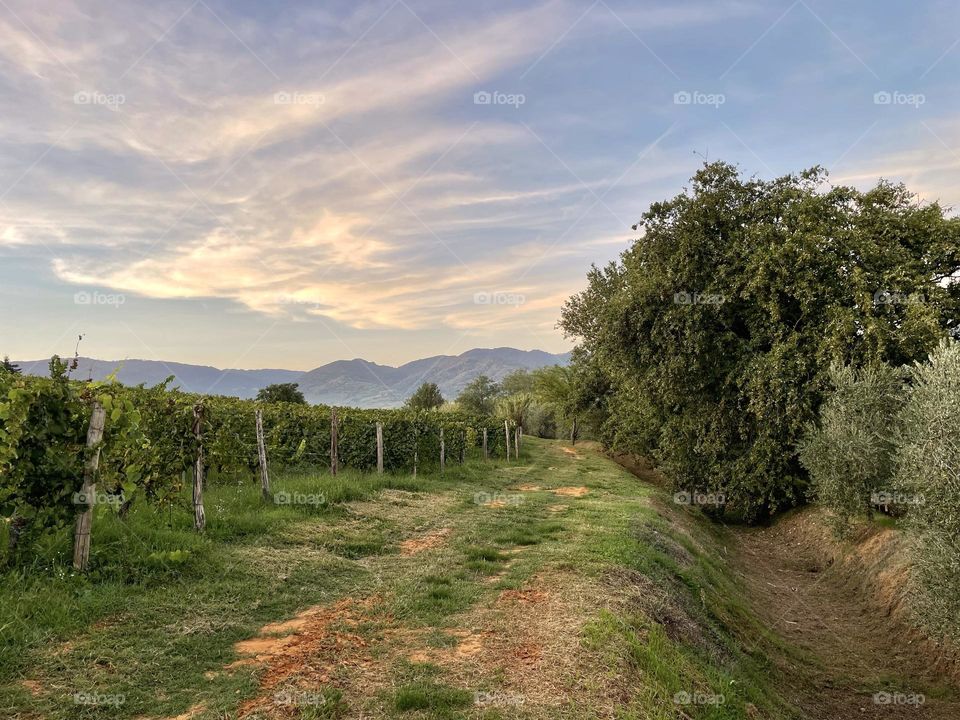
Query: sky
(247,184)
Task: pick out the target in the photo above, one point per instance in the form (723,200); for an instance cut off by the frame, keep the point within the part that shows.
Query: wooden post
(506,435)
(334,430)
(573,432)
(262,456)
(199,517)
(516,442)
(485,455)
(380,448)
(463,446)
(443,453)
(81,534)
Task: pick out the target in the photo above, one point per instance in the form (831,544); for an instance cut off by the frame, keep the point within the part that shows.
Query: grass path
(556,586)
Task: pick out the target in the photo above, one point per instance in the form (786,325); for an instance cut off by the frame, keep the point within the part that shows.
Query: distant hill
(357,383)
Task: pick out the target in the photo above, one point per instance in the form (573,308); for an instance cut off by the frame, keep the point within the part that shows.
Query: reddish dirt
(320,649)
(571,491)
(424,542)
(528,597)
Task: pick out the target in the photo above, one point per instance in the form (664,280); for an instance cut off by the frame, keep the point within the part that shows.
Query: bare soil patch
(425,542)
(571,491)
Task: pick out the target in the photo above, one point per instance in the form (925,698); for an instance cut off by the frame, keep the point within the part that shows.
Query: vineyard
(66,445)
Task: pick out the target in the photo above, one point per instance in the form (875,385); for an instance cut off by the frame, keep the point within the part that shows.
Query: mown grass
(163,605)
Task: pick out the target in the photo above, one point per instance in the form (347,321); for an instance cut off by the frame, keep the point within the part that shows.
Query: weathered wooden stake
(262,457)
(199,517)
(485,454)
(334,431)
(463,446)
(81,535)
(443,452)
(573,432)
(516,442)
(506,435)
(380,448)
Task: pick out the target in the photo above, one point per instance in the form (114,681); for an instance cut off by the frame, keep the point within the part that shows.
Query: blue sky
(248,184)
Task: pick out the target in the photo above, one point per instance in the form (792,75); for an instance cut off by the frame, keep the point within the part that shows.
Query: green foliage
(149,447)
(928,479)
(426,397)
(8,367)
(708,345)
(282,392)
(518,381)
(515,408)
(479,397)
(850,453)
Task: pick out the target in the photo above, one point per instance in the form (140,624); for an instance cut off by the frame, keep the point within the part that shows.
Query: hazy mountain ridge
(356,382)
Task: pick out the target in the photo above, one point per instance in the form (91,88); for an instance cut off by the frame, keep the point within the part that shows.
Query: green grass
(156,618)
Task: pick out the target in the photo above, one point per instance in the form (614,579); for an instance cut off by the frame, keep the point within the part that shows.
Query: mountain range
(355,383)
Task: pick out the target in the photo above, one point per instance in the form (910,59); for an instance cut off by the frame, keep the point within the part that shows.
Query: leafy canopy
(426,397)
(479,396)
(709,342)
(282,392)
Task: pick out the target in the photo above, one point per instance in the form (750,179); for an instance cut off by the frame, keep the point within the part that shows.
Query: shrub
(929,475)
(850,453)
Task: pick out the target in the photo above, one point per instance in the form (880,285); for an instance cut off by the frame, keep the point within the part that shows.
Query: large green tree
(479,396)
(282,392)
(709,342)
(426,397)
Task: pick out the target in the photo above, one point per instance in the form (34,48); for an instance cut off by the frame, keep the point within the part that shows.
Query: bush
(850,453)
(928,476)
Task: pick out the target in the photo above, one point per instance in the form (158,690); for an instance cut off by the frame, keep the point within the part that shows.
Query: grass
(155,620)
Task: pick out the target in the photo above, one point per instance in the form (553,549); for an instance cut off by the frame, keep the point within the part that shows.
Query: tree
(9,367)
(282,392)
(479,396)
(426,397)
(850,452)
(709,342)
(928,469)
(515,408)
(520,380)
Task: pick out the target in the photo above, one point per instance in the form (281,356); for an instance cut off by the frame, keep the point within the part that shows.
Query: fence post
(516,441)
(443,453)
(506,435)
(573,431)
(334,430)
(262,455)
(380,448)
(199,517)
(485,444)
(81,535)
(463,446)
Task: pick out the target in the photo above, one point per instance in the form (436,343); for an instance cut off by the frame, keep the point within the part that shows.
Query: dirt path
(850,660)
